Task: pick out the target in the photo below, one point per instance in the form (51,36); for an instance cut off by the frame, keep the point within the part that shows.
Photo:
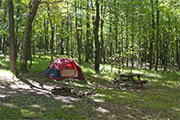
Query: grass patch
(30,99)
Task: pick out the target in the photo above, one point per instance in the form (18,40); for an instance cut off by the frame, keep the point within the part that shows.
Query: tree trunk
(166,44)
(62,39)
(33,51)
(91,48)
(102,52)
(157,37)
(52,35)
(12,46)
(17,37)
(27,32)
(96,36)
(178,55)
(110,53)
(1,43)
(29,53)
(87,33)
(72,41)
(4,46)
(0,3)
(67,31)
(46,36)
(81,30)
(177,45)
(77,34)
(152,38)
(116,28)
(127,38)
(4,37)
(165,53)
(121,51)
(67,38)
(132,47)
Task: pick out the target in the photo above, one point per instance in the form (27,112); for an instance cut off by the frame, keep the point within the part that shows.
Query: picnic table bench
(128,79)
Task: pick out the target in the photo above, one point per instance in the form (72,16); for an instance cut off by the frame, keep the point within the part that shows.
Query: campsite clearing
(31,97)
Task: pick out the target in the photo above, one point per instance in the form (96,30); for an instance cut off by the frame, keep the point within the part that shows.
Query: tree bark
(127,38)
(27,32)
(81,33)
(166,44)
(17,37)
(102,52)
(72,41)
(67,38)
(121,51)
(152,38)
(157,38)
(62,39)
(87,33)
(4,46)
(132,47)
(46,35)
(12,46)
(4,37)
(52,34)
(67,31)
(96,36)
(77,34)
(116,28)
(1,41)
(177,45)
(0,3)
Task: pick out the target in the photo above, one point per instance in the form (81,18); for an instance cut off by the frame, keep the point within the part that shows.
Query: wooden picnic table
(128,79)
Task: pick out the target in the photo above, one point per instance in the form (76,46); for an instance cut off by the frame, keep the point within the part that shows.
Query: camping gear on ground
(70,91)
(64,91)
(63,68)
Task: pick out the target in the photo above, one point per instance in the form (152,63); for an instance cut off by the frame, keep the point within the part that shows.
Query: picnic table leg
(140,80)
(139,77)
(119,81)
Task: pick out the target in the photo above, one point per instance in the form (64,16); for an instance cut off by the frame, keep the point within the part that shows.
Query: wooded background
(134,33)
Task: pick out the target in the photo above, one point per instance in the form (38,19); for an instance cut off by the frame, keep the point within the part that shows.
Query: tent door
(69,71)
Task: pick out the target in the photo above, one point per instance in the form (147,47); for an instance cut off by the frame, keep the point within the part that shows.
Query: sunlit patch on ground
(8,105)
(102,110)
(7,75)
(17,85)
(99,100)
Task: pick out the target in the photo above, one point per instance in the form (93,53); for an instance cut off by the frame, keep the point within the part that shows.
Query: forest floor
(30,96)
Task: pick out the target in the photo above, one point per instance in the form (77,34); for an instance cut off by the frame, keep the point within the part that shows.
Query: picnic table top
(129,74)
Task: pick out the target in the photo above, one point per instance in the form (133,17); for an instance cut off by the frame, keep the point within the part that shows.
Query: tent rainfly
(63,68)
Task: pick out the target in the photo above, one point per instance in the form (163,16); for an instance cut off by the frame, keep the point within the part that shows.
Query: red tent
(63,68)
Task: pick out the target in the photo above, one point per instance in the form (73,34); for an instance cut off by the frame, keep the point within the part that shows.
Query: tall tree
(27,32)
(0,3)
(12,46)
(157,36)
(102,52)
(116,27)
(46,35)
(77,32)
(67,30)
(52,34)
(177,45)
(132,38)
(152,37)
(96,37)
(62,38)
(87,33)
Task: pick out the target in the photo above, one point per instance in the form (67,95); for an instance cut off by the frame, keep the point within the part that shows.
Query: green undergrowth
(159,99)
